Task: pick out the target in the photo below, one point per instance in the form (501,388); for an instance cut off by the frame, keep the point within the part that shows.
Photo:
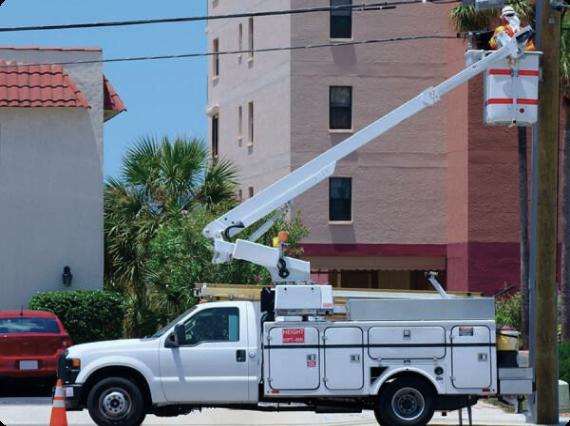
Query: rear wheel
(116,401)
(405,402)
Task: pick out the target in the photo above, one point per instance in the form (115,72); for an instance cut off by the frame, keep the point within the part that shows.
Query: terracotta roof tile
(34,86)
(113,104)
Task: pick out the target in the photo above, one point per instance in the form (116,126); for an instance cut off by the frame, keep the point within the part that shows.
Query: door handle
(240,355)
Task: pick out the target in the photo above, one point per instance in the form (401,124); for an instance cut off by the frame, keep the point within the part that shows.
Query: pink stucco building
(437,193)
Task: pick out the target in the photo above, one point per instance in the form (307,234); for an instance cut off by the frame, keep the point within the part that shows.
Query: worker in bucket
(510,25)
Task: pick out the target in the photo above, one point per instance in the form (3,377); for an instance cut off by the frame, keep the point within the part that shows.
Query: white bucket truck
(403,358)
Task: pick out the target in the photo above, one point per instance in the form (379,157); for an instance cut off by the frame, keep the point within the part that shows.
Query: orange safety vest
(510,32)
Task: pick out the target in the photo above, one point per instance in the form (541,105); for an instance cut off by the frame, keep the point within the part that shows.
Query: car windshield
(172,323)
(28,325)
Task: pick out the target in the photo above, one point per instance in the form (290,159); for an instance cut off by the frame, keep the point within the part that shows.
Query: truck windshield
(172,323)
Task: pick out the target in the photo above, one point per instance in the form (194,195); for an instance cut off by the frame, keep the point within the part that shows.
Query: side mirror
(179,334)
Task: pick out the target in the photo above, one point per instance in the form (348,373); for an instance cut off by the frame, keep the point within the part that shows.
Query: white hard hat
(507,11)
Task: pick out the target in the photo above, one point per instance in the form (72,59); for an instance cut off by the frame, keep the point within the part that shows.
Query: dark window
(213,325)
(250,122)
(251,38)
(340,199)
(215,135)
(28,325)
(340,107)
(216,58)
(341,19)
(251,191)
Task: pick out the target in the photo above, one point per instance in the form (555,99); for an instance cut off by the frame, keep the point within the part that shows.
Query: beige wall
(51,184)
(265,81)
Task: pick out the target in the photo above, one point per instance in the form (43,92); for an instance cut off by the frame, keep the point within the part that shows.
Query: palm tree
(159,181)
(467,18)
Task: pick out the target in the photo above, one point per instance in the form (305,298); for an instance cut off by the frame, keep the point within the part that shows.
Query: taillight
(66,342)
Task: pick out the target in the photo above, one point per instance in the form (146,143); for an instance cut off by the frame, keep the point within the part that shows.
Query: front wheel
(116,401)
(405,402)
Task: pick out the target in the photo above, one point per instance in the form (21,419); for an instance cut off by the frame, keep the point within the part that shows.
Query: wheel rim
(115,404)
(408,404)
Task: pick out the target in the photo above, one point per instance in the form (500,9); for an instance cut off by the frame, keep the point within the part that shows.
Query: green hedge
(88,316)
(509,311)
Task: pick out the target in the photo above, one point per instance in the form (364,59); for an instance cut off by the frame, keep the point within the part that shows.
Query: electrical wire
(240,52)
(356,7)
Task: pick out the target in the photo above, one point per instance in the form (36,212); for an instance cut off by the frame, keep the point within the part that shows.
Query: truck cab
(215,360)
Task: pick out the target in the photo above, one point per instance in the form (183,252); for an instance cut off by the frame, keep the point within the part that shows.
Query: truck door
(213,365)
(471,357)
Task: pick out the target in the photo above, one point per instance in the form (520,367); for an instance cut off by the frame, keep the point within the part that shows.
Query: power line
(239,52)
(355,7)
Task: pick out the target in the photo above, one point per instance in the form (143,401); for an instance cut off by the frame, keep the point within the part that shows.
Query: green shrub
(509,311)
(88,316)
(564,361)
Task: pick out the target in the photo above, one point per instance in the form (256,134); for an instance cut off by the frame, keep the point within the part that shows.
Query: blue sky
(165,97)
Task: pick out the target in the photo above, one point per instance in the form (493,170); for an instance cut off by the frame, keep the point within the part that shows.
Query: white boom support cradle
(286,269)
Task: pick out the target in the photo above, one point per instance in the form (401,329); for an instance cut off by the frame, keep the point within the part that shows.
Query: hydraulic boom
(279,194)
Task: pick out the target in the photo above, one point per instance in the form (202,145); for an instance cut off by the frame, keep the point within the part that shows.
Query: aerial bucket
(510,90)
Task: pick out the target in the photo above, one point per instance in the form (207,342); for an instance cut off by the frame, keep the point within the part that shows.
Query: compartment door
(294,358)
(406,342)
(471,363)
(344,363)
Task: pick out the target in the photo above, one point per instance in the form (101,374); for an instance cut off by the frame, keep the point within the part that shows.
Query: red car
(30,343)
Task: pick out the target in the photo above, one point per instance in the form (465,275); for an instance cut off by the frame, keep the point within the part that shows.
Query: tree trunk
(523,218)
(565,224)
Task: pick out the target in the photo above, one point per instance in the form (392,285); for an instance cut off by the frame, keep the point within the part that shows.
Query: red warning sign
(293,335)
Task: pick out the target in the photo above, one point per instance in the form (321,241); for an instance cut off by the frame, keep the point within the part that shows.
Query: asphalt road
(30,405)
(34,411)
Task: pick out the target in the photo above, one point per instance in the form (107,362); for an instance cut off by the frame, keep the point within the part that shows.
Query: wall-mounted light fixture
(67,276)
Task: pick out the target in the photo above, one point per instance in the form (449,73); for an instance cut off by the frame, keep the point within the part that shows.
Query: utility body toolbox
(454,348)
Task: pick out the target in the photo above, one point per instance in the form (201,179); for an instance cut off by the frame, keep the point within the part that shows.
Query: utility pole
(545,337)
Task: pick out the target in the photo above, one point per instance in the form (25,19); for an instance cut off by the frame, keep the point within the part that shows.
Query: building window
(340,199)
(240,124)
(216,58)
(251,45)
(250,191)
(240,37)
(250,122)
(341,19)
(215,135)
(340,107)
(240,195)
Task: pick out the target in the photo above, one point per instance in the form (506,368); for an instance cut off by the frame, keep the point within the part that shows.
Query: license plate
(28,365)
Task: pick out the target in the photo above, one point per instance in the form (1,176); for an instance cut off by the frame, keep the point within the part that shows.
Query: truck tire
(116,401)
(405,402)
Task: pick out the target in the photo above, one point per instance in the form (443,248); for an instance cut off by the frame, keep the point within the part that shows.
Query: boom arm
(322,167)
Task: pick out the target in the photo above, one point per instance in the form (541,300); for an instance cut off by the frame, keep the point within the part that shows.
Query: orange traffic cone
(58,414)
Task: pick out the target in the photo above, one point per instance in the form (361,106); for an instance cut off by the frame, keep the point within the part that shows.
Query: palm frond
(220,184)
(467,18)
